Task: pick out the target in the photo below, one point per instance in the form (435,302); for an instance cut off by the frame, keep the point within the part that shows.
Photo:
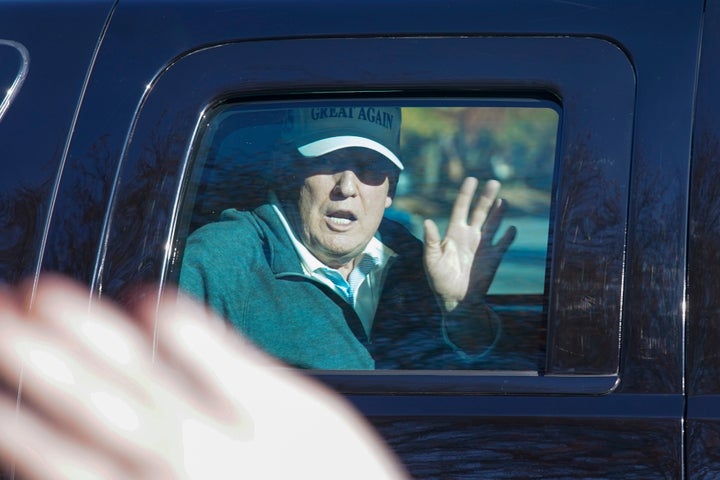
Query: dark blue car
(128,124)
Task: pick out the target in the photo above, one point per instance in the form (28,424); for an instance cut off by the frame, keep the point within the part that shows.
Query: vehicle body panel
(119,144)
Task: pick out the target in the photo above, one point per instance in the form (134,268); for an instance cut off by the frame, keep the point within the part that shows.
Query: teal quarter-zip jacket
(245,267)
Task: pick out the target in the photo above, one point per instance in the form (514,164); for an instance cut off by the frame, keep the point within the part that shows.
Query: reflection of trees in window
(589,259)
(437,447)
(22,216)
(143,208)
(238,161)
(75,226)
(659,205)
(704,262)
(78,216)
(441,146)
(235,178)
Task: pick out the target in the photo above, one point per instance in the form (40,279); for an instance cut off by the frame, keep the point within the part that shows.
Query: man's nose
(346,183)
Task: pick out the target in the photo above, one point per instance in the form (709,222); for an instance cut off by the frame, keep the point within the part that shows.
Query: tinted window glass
(242,154)
(514,144)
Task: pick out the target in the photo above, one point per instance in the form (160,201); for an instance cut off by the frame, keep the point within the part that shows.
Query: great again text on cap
(370,114)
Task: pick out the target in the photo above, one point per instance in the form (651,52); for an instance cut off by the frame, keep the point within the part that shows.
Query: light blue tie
(360,272)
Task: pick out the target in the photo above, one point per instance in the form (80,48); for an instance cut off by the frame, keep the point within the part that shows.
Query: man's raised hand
(462,265)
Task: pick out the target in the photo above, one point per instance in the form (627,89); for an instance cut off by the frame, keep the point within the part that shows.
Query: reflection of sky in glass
(515,145)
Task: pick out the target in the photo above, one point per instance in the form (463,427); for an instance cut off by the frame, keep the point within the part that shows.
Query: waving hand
(462,265)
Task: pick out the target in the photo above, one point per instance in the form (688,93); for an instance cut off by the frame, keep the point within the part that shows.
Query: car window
(561,333)
(236,166)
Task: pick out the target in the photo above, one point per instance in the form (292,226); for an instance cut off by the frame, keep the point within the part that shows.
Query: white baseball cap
(316,131)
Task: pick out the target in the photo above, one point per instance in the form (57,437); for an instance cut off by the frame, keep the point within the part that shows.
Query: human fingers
(507,239)
(276,420)
(85,399)
(219,358)
(193,341)
(32,446)
(295,421)
(108,356)
(461,207)
(62,386)
(491,223)
(485,204)
(96,330)
(432,248)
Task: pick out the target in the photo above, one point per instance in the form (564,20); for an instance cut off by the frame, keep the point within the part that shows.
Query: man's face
(342,200)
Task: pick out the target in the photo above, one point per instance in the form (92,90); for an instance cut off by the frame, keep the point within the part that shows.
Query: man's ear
(388,201)
(393,179)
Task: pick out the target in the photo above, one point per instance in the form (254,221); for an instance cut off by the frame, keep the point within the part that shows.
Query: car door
(601,396)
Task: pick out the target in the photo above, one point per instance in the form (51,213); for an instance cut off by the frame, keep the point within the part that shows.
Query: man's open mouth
(341,218)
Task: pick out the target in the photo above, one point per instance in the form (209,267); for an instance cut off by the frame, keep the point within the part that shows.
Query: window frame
(597,100)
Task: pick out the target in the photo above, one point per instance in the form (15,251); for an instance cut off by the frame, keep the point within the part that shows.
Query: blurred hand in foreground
(167,391)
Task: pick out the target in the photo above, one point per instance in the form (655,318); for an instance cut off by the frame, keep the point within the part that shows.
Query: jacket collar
(282,257)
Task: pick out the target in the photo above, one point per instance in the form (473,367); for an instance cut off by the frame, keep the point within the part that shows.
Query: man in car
(317,277)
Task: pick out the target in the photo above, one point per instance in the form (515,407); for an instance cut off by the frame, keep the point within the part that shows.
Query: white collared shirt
(364,286)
